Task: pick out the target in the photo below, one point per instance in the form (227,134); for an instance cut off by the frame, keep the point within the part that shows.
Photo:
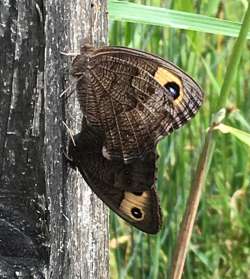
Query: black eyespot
(137,193)
(136,212)
(173,88)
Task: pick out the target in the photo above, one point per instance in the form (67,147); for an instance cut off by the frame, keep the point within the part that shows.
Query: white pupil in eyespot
(136,212)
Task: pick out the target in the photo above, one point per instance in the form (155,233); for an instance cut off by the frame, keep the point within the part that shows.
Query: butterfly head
(80,63)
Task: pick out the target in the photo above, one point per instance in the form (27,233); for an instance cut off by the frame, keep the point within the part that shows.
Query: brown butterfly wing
(128,190)
(134,97)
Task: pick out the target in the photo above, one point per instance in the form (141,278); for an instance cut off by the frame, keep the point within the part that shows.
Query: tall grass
(220,246)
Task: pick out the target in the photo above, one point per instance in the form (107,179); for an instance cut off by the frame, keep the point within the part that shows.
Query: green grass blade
(131,12)
(240,44)
(239,134)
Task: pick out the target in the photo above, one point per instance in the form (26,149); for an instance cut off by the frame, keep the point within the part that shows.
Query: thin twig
(191,210)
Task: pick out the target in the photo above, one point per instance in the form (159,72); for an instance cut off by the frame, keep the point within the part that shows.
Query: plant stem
(205,157)
(234,60)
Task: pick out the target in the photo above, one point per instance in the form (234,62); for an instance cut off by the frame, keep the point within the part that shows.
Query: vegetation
(220,245)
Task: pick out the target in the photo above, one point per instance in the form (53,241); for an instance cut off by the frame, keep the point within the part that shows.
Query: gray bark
(23,224)
(34,175)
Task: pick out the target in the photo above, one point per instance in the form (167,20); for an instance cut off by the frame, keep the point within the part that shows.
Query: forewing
(136,98)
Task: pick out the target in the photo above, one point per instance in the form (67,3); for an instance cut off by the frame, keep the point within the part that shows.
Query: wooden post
(78,220)
(51,224)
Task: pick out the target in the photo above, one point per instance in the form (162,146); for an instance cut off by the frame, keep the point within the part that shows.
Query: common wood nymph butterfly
(128,189)
(134,97)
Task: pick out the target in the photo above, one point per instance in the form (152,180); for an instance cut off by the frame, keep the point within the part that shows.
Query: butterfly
(134,98)
(128,189)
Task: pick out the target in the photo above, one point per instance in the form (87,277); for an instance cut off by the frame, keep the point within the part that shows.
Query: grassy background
(220,245)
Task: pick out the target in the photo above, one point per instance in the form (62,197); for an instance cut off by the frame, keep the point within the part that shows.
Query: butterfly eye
(173,88)
(136,212)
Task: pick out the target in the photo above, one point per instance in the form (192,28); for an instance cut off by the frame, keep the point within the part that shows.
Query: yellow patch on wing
(131,201)
(164,76)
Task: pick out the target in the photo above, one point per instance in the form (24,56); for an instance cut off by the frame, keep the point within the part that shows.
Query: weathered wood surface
(78,219)
(34,173)
(23,252)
